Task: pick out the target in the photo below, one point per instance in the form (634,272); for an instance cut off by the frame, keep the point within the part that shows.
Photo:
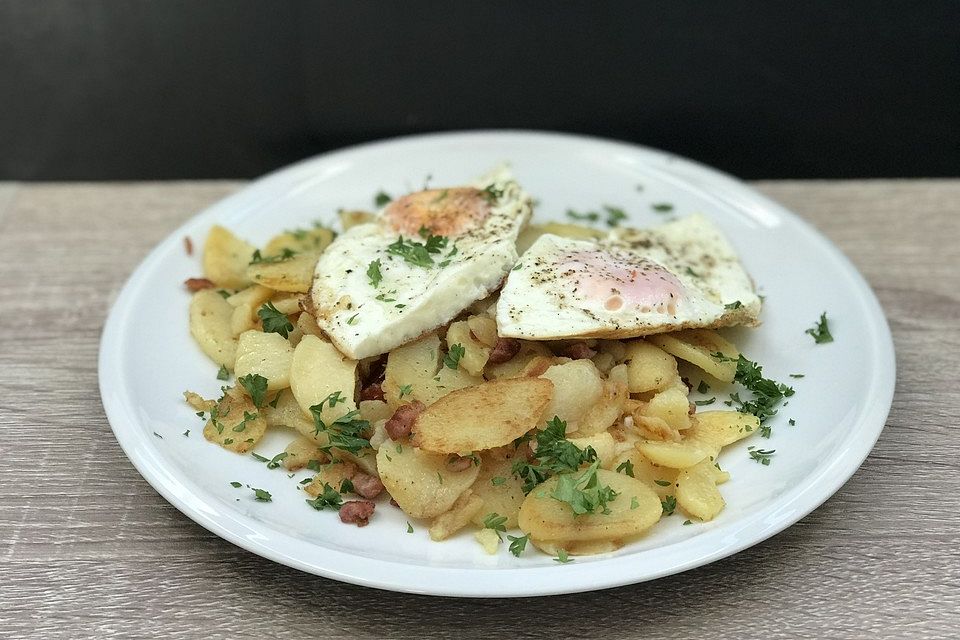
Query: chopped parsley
(820,331)
(236,485)
(496,522)
(767,393)
(686,522)
(583,492)
(452,359)
(261,495)
(346,486)
(555,454)
(492,194)
(352,320)
(662,207)
(417,253)
(409,527)
(223,374)
(563,557)
(669,504)
(690,272)
(283,256)
(517,544)
(791,422)
(382,199)
(761,455)
(497,480)
(328,499)
(346,432)
(187,433)
(158,435)
(373,272)
(626,468)
(634,503)
(256,387)
(276,460)
(406,390)
(588,216)
(703,387)
(736,304)
(797,375)
(663,483)
(274,321)
(615,215)
(704,403)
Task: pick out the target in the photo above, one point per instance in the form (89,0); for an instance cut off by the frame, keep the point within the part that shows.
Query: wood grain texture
(89,550)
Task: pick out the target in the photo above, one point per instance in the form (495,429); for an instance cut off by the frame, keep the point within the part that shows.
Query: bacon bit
(692,410)
(372,392)
(687,383)
(401,423)
(357,512)
(504,350)
(456,463)
(188,245)
(198,284)
(579,351)
(394,503)
(366,485)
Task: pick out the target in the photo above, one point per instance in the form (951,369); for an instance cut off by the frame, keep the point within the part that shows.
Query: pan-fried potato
(308,325)
(475,353)
(697,492)
(242,320)
(696,346)
(676,455)
(649,368)
(577,387)
(489,415)
(198,402)
(286,303)
(446,381)
(210,325)
(313,240)
(225,259)
(485,328)
(503,498)
(333,474)
(720,428)
(422,483)
(411,366)
(287,413)
(252,297)
(237,425)
(602,443)
(515,366)
(267,354)
(294,274)
(661,479)
(605,411)
(576,231)
(300,452)
(489,540)
(672,406)
(375,410)
(354,217)
(551,522)
(464,509)
(318,370)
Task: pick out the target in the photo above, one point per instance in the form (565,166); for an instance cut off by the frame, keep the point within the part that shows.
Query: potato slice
(602,443)
(550,522)
(464,509)
(720,428)
(301,452)
(267,354)
(677,455)
(696,346)
(225,259)
(576,231)
(489,415)
(446,381)
(313,240)
(500,491)
(577,387)
(287,413)
(318,370)
(253,297)
(308,325)
(607,409)
(661,479)
(488,539)
(697,492)
(410,368)
(237,425)
(333,474)
(287,303)
(375,410)
(515,366)
(672,406)
(242,319)
(210,326)
(294,274)
(354,217)
(475,353)
(484,328)
(422,483)
(649,368)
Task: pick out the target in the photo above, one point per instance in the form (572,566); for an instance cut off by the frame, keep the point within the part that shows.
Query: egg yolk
(616,283)
(445,212)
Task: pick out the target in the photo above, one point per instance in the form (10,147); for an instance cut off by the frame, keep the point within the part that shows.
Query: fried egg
(427,257)
(634,282)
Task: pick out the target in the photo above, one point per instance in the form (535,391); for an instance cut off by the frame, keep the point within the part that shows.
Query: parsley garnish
(669,504)
(352,320)
(496,522)
(767,393)
(686,522)
(554,454)
(223,374)
(589,216)
(346,432)
(330,498)
(260,495)
(614,215)
(276,460)
(158,435)
(187,433)
(791,422)
(373,272)
(283,256)
(563,557)
(416,253)
(761,455)
(820,331)
(452,359)
(736,304)
(703,387)
(236,485)
(704,403)
(497,480)
(634,503)
(663,483)
(274,321)
(583,492)
(255,386)
(409,527)
(492,194)
(625,467)
(517,544)
(662,207)
(796,375)
(406,390)
(690,272)
(382,198)
(346,486)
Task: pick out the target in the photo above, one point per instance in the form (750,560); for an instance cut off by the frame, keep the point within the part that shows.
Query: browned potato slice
(300,452)
(606,410)
(500,491)
(446,381)
(697,492)
(198,402)
(661,479)
(225,259)
(515,366)
(287,413)
(489,415)
(267,354)
(649,367)
(210,325)
(672,406)
(237,425)
(294,274)
(422,483)
(411,368)
(720,428)
(677,455)
(300,241)
(318,370)
(696,346)
(475,353)
(551,522)
(464,509)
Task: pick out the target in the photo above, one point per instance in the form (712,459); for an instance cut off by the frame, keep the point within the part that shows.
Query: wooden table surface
(88,549)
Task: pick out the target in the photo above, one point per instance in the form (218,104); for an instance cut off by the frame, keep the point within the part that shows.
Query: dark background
(147,89)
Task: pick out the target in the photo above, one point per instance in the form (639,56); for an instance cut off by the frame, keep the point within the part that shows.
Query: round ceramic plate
(148,358)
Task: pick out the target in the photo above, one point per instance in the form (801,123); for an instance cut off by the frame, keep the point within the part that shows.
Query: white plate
(147,359)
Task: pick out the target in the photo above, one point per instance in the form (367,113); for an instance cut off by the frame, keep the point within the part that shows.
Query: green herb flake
(588,216)
(703,387)
(236,485)
(223,373)
(409,527)
(274,321)
(554,454)
(283,256)
(669,504)
(517,544)
(663,483)
(256,387)
(186,433)
(820,331)
(634,503)
(797,375)
(662,207)
(686,522)
(328,499)
(767,393)
(158,435)
(704,403)
(416,253)
(373,273)
(626,468)
(497,480)
(583,492)
(346,432)
(792,422)
(615,215)
(496,522)
(261,495)
(406,390)
(381,199)
(563,557)
(761,456)
(736,304)
(452,359)
(274,462)
(352,320)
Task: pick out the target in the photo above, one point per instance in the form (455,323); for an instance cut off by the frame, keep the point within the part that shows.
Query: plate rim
(438,580)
